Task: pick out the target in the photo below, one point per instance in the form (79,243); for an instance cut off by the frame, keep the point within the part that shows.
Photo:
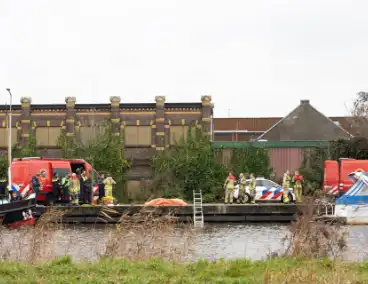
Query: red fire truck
(336,180)
(24,169)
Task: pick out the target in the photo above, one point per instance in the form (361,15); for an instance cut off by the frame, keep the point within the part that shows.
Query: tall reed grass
(140,236)
(311,239)
(145,235)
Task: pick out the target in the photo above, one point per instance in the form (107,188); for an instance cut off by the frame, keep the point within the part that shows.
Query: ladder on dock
(198,209)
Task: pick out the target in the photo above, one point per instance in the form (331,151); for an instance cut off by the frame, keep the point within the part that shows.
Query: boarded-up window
(144,135)
(137,135)
(177,132)
(54,133)
(4,136)
(131,135)
(88,133)
(42,136)
(47,136)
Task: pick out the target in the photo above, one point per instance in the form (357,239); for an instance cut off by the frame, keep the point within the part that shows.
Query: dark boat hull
(13,212)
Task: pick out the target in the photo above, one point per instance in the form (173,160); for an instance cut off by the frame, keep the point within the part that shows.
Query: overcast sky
(256,58)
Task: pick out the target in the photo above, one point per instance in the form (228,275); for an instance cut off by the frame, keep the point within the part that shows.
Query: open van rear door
(331,177)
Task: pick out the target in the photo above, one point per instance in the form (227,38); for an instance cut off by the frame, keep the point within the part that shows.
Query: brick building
(147,127)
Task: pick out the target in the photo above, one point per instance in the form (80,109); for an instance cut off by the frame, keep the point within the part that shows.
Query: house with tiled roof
(305,123)
(298,125)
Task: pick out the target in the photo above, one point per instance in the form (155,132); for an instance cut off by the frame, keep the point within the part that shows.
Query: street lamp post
(10,139)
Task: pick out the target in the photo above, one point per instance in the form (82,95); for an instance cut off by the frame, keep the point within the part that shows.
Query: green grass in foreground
(157,271)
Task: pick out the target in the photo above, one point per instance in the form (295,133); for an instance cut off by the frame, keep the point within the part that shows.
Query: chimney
(304,102)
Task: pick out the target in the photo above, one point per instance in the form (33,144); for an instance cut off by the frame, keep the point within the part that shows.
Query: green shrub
(71,147)
(189,165)
(251,160)
(4,166)
(106,152)
(356,148)
(29,149)
(312,168)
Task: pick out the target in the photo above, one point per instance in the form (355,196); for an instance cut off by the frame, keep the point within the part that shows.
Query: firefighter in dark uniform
(101,188)
(4,188)
(87,186)
(82,177)
(56,187)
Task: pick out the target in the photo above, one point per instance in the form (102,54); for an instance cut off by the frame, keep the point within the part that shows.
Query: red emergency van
(336,180)
(25,168)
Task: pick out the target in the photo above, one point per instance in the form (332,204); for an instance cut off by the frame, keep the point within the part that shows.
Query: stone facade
(147,127)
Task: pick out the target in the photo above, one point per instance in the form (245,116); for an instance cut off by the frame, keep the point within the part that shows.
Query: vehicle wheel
(246,198)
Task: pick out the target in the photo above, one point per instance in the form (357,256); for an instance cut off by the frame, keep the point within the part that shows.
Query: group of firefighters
(296,181)
(75,188)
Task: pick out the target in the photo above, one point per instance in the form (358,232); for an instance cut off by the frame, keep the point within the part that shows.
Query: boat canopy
(358,192)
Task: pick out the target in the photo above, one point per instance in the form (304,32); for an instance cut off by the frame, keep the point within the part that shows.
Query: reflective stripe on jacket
(286,180)
(243,182)
(253,184)
(229,183)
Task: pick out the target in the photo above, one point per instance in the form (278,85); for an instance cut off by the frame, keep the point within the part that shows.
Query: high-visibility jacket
(74,186)
(298,180)
(253,184)
(286,181)
(230,182)
(243,182)
(65,182)
(108,186)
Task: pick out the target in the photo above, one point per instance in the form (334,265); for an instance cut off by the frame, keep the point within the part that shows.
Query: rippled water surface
(215,241)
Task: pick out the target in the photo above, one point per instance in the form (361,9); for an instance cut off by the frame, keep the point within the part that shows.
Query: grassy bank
(157,271)
(28,255)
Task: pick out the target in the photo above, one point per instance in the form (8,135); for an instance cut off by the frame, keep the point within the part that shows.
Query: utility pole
(10,140)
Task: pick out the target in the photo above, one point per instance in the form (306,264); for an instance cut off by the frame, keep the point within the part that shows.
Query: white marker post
(10,141)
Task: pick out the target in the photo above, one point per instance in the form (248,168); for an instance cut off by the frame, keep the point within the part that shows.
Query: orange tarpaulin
(166,202)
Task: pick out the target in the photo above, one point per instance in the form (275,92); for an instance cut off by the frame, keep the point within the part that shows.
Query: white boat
(352,207)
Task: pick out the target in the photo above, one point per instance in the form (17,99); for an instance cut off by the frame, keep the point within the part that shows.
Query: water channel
(215,241)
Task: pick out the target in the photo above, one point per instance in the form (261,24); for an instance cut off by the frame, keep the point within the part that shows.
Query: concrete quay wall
(211,212)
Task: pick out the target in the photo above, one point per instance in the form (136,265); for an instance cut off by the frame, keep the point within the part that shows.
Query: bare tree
(359,112)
